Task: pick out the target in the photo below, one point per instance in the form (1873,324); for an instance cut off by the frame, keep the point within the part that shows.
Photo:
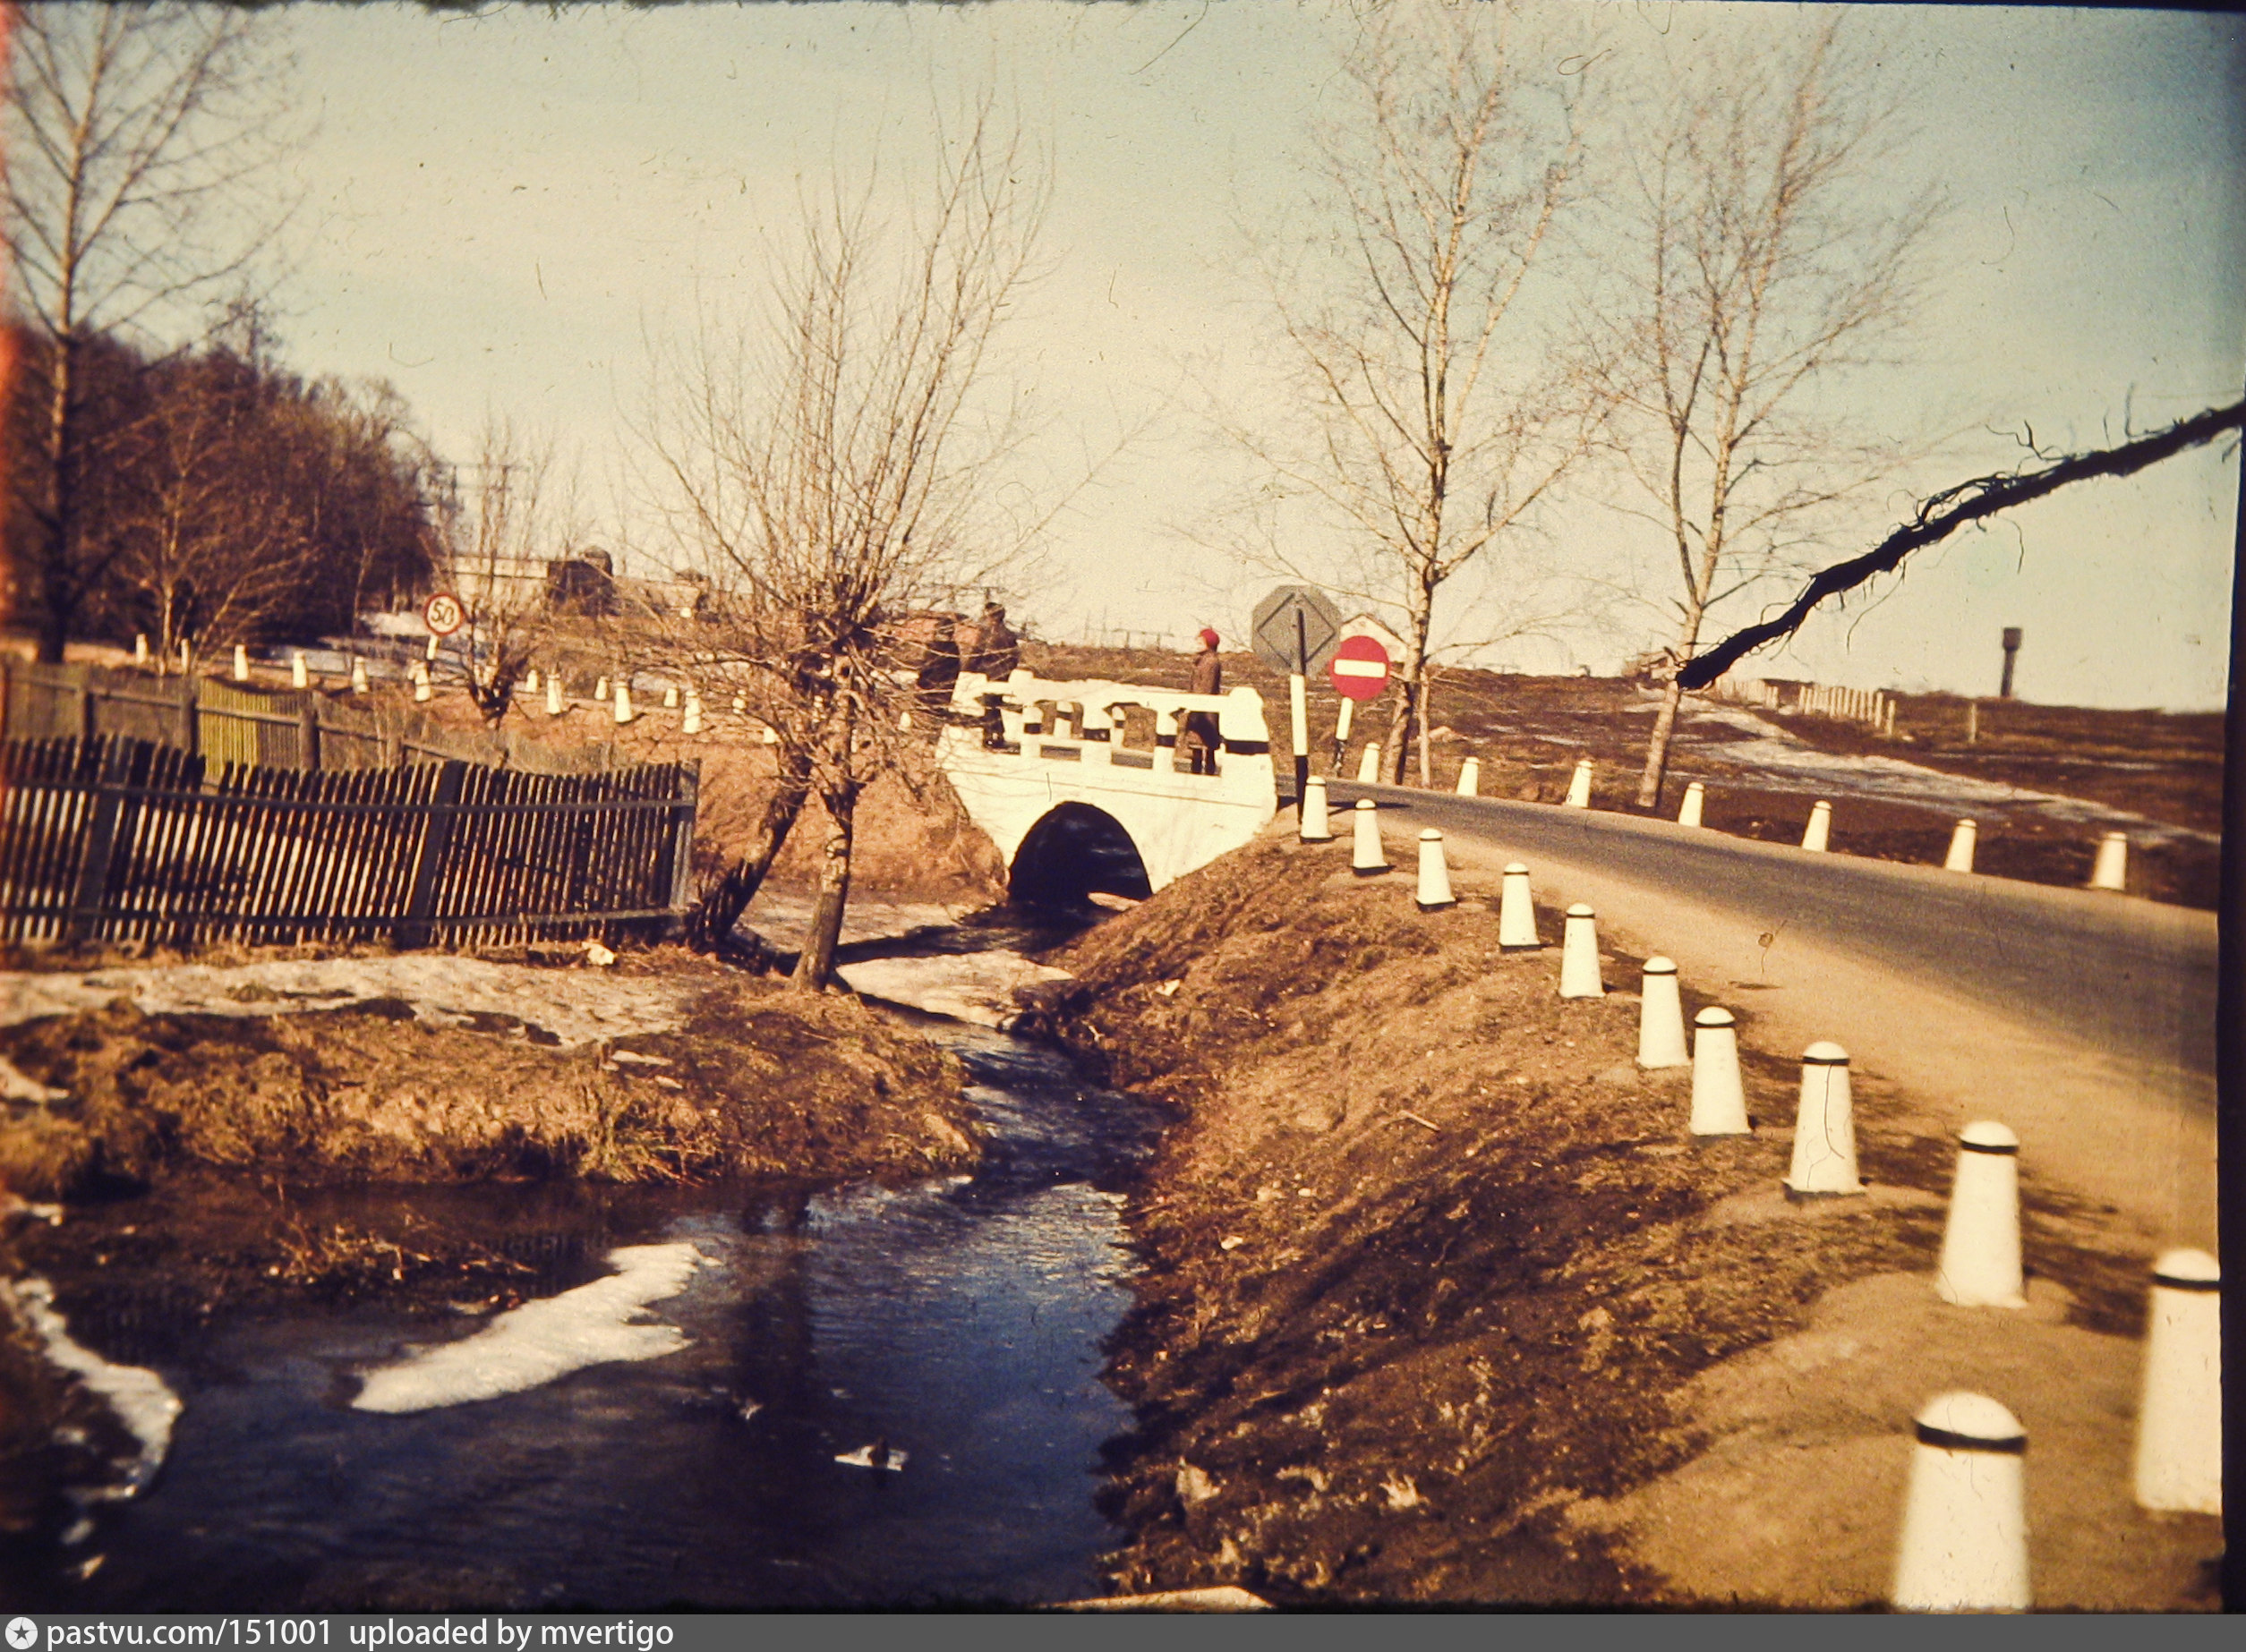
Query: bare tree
(518,512)
(1432,418)
(210,539)
(836,467)
(1954,507)
(1762,268)
(135,135)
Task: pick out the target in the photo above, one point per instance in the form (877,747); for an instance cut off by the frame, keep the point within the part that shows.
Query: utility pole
(2012,648)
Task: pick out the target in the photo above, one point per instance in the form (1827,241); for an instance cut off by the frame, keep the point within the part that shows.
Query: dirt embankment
(758,1080)
(1435,1281)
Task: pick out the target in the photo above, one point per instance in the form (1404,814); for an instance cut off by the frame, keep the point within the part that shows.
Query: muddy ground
(1528,732)
(1442,1305)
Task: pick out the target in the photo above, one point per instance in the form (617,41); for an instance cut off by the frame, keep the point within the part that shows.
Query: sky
(502,210)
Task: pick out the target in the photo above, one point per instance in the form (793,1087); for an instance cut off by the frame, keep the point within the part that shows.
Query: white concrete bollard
(1718,1096)
(1965,1521)
(1818,833)
(1368,858)
(1516,913)
(1369,765)
(2179,1422)
(670,696)
(1824,1128)
(1962,839)
(1470,778)
(1579,787)
(1315,827)
(139,647)
(530,681)
(299,671)
(553,696)
(601,691)
(2112,870)
(1661,1018)
(692,722)
(1434,890)
(769,735)
(623,702)
(1980,1244)
(1579,956)
(358,676)
(1688,812)
(421,682)
(740,704)
(241,664)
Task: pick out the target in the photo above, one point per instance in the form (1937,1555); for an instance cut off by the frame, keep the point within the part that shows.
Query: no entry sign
(1359,669)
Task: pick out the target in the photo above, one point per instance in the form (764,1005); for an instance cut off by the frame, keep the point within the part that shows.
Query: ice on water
(540,1341)
(142,1400)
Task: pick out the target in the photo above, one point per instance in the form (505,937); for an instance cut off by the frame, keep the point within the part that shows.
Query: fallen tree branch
(1946,512)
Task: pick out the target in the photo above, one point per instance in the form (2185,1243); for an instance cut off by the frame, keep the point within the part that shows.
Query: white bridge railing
(1015,750)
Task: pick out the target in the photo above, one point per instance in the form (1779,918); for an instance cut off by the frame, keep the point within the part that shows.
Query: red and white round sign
(1359,669)
(444,614)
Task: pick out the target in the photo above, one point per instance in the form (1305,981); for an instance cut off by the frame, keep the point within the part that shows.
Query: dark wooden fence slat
(120,838)
(416,926)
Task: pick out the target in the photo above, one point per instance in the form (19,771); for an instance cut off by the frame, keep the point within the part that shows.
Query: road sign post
(1358,670)
(1294,630)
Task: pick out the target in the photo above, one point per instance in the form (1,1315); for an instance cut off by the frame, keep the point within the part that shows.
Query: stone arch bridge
(1079,785)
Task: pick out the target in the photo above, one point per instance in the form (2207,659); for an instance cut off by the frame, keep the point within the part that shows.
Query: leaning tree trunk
(817,962)
(1656,771)
(710,924)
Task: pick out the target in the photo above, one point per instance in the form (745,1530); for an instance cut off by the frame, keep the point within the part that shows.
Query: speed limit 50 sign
(444,614)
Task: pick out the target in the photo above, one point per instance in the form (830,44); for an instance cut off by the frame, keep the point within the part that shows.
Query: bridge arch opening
(1075,850)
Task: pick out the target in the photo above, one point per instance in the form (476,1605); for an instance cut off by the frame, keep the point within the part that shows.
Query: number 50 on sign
(444,614)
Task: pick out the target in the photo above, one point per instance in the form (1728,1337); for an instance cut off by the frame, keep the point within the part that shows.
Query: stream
(948,1334)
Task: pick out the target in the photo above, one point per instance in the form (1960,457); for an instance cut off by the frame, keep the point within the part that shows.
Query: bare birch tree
(1430,417)
(135,135)
(1761,269)
(836,462)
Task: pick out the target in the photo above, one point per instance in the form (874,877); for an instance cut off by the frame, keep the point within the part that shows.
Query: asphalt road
(2130,976)
(2085,1021)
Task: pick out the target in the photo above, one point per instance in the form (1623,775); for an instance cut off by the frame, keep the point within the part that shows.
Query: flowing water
(955,1326)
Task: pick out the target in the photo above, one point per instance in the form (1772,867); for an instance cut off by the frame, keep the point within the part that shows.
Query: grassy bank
(1436,1279)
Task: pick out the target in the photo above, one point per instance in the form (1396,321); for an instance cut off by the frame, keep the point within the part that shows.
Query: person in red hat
(1201,739)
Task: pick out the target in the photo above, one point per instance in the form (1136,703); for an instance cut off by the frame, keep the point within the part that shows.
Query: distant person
(939,663)
(1201,738)
(997,653)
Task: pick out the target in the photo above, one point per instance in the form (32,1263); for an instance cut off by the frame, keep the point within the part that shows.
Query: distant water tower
(2012,648)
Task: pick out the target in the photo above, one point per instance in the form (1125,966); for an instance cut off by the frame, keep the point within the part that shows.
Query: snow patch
(1771,752)
(15,1086)
(540,1341)
(143,1403)
(576,1006)
(974,987)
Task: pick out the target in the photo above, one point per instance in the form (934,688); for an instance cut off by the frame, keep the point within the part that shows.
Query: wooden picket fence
(116,839)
